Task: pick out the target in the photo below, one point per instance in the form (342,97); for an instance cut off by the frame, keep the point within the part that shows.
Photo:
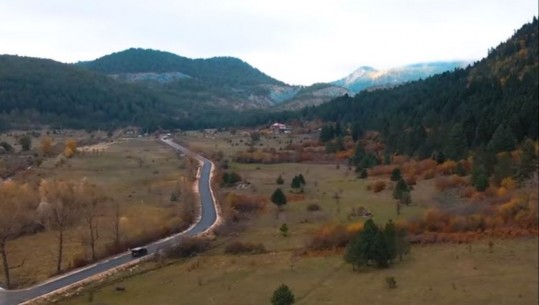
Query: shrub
(237,247)
(313,207)
(391,282)
(330,237)
(378,186)
(188,246)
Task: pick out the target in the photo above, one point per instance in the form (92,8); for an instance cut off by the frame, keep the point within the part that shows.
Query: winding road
(208,217)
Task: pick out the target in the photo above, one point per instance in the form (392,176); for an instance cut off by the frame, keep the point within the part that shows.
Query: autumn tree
(70,148)
(17,207)
(278,198)
(46,146)
(58,210)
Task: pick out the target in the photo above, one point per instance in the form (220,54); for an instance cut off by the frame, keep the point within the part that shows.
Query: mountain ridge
(366,77)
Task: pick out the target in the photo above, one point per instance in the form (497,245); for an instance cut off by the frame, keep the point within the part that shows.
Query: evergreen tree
(278,198)
(356,131)
(380,250)
(326,134)
(353,253)
(282,296)
(296,183)
(368,236)
(402,245)
(456,143)
(279,180)
(301,179)
(528,160)
(396,174)
(479,177)
(503,168)
(26,143)
(400,188)
(503,139)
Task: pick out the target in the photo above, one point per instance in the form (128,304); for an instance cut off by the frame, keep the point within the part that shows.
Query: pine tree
(301,179)
(380,250)
(503,139)
(400,188)
(528,160)
(396,174)
(282,296)
(456,143)
(296,184)
(278,198)
(279,180)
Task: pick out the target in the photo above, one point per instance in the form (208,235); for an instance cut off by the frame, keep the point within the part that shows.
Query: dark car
(138,252)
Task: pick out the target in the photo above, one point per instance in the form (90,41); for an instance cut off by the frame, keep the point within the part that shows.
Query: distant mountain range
(150,88)
(369,78)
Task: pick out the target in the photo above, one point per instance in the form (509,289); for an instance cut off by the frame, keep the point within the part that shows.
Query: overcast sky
(296,41)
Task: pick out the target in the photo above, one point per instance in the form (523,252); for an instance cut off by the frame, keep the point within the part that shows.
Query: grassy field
(138,174)
(440,274)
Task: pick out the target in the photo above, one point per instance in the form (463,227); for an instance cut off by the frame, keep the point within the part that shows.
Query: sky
(296,41)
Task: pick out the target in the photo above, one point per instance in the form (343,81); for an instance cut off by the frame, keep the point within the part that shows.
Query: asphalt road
(207,219)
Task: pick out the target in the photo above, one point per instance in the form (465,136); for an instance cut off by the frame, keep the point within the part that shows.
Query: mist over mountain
(367,77)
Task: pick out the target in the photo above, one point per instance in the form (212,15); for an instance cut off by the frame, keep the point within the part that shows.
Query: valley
(207,181)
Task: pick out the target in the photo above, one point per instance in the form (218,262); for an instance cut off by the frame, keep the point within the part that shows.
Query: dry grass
(141,188)
(441,274)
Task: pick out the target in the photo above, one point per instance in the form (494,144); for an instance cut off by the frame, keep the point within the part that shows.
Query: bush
(237,247)
(330,237)
(313,207)
(188,247)
(378,186)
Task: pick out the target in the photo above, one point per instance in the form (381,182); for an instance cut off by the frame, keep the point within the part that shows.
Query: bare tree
(115,222)
(90,200)
(17,204)
(58,210)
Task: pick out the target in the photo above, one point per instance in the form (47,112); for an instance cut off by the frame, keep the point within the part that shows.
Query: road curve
(208,218)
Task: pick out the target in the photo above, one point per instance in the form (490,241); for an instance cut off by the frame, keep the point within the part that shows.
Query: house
(278,128)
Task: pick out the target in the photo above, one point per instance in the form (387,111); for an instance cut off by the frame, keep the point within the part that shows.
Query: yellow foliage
(354,227)
(509,183)
(71,144)
(46,146)
(446,168)
(68,152)
(502,191)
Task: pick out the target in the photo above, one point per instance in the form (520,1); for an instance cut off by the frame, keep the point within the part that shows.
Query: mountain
(226,80)
(370,78)
(219,71)
(490,102)
(37,91)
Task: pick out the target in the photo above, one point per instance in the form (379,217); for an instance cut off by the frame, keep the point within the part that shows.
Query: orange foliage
(446,168)
(378,186)
(443,183)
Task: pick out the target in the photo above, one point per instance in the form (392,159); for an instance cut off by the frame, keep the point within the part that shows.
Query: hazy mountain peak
(366,77)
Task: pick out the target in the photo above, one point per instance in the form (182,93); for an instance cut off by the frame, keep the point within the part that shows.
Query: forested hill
(40,91)
(218,70)
(492,103)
